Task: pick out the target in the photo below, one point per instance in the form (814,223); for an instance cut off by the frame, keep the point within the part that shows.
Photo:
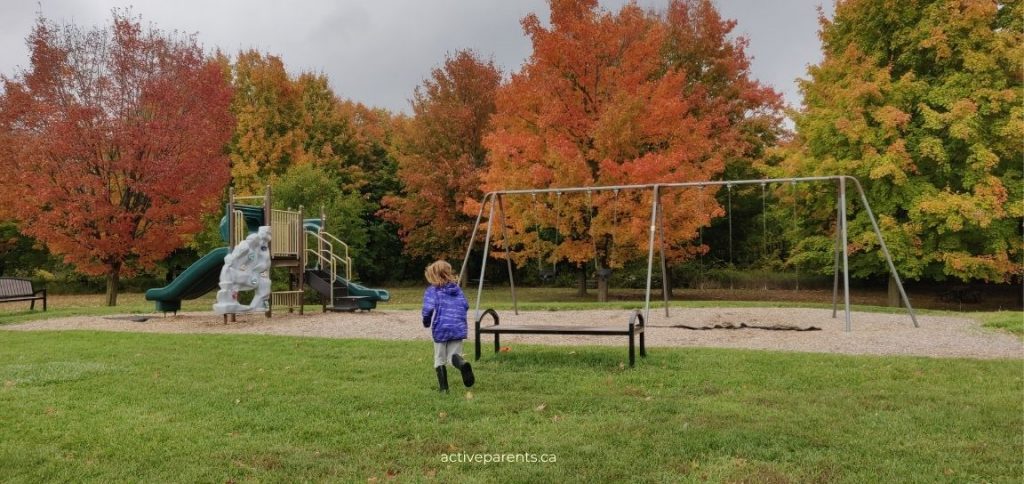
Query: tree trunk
(113,276)
(603,249)
(581,281)
(894,299)
(602,287)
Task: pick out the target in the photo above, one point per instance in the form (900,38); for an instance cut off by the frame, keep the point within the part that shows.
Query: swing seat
(547,276)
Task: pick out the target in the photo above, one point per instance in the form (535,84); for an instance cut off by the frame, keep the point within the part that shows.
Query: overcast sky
(377,51)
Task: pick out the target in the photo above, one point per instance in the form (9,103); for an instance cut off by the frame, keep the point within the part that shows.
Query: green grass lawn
(1012,321)
(217,408)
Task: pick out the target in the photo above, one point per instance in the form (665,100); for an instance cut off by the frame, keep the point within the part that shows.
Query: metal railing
(325,260)
(343,259)
(325,250)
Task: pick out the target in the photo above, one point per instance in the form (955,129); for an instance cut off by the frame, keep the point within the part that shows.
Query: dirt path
(872,334)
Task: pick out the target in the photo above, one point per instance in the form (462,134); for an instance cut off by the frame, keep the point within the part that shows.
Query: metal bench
(16,289)
(632,330)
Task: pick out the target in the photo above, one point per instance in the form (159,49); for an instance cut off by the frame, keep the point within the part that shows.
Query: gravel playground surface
(872,333)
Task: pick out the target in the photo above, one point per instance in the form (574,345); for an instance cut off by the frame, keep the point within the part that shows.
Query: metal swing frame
(495,199)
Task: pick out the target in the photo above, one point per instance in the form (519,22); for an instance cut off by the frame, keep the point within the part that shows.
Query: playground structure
(656,230)
(311,256)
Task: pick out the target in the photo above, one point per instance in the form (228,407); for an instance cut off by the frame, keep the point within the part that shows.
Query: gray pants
(443,352)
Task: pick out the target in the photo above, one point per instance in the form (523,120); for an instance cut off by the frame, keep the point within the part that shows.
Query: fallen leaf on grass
(469,395)
(505,349)
(442,415)
(541,407)
(9,384)
(556,418)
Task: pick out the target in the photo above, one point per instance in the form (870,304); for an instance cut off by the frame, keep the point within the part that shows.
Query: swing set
(494,201)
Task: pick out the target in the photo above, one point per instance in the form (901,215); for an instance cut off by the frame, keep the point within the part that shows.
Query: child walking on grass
(444,311)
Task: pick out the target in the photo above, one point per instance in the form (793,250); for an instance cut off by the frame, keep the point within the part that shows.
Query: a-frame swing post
(508,253)
(483,261)
(845,247)
(661,244)
(472,238)
(835,256)
(650,252)
(885,250)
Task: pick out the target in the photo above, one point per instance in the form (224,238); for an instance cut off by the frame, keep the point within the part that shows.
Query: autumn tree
(921,100)
(621,98)
(372,133)
(314,187)
(268,106)
(745,114)
(286,122)
(114,143)
(440,156)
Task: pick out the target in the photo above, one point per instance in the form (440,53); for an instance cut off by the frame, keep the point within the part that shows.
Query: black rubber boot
(467,371)
(442,378)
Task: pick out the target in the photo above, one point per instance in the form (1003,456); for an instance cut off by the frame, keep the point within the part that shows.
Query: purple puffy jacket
(444,311)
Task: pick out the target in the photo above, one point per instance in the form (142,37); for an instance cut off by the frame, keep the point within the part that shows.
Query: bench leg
(643,348)
(632,356)
(32,306)
(44,303)
(476,347)
(497,342)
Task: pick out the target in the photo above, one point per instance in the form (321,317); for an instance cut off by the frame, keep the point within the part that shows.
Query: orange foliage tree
(113,143)
(620,98)
(440,156)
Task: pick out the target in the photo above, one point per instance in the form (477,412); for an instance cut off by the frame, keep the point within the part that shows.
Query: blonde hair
(440,273)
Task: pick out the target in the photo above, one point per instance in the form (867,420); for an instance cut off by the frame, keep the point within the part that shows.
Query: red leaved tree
(619,98)
(113,143)
(440,156)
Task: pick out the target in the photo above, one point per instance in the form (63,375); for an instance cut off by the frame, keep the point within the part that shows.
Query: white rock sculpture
(246,268)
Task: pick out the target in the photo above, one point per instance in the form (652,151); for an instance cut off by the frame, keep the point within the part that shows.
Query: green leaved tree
(921,100)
